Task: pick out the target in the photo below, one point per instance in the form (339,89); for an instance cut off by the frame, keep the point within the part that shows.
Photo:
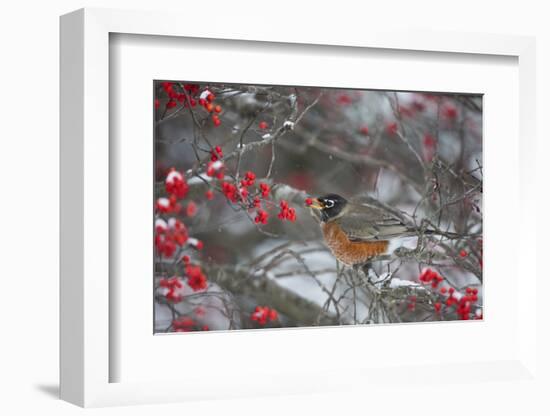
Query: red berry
(391,128)
(209,195)
(450,112)
(218,109)
(167,86)
(364,130)
(262,125)
(418,105)
(429,140)
(264,187)
(191,209)
(344,99)
(263,314)
(261,217)
(286,212)
(196,279)
(273,315)
(309,201)
(463,253)
(249,179)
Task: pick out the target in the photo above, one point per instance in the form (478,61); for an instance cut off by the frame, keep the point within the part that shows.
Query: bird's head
(329,206)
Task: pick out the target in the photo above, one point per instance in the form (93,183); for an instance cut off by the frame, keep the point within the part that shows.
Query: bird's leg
(355,268)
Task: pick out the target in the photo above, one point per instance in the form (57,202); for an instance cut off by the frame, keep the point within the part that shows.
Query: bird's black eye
(329,203)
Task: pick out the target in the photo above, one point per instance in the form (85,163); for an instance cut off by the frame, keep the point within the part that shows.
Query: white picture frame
(86,355)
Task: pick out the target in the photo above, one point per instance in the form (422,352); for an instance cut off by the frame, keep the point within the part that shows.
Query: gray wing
(364,223)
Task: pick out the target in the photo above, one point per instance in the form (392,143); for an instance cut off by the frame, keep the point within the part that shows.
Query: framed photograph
(319,214)
(394,234)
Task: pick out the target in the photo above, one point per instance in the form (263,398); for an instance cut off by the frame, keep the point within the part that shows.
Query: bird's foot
(367,267)
(362,269)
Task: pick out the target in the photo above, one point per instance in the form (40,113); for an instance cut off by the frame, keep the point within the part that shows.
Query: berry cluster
(183,324)
(463,303)
(429,276)
(177,188)
(249,179)
(169,235)
(248,192)
(172,289)
(450,297)
(206,100)
(230,191)
(177,94)
(168,205)
(186,95)
(187,324)
(263,314)
(261,216)
(215,168)
(216,154)
(286,212)
(196,279)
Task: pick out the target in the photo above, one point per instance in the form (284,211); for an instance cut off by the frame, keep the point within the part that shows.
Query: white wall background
(29,177)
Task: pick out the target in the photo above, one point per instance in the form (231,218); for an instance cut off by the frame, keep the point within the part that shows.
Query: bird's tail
(430,231)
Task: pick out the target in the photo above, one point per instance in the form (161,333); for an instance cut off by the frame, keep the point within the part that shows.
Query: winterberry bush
(236,167)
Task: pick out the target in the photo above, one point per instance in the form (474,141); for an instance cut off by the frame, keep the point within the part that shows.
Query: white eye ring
(329,203)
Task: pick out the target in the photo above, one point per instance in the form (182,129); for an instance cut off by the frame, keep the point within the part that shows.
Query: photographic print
(291,206)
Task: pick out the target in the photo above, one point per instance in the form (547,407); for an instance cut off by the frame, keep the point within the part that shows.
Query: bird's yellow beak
(317,204)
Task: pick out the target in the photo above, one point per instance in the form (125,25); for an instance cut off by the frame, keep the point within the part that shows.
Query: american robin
(356,231)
